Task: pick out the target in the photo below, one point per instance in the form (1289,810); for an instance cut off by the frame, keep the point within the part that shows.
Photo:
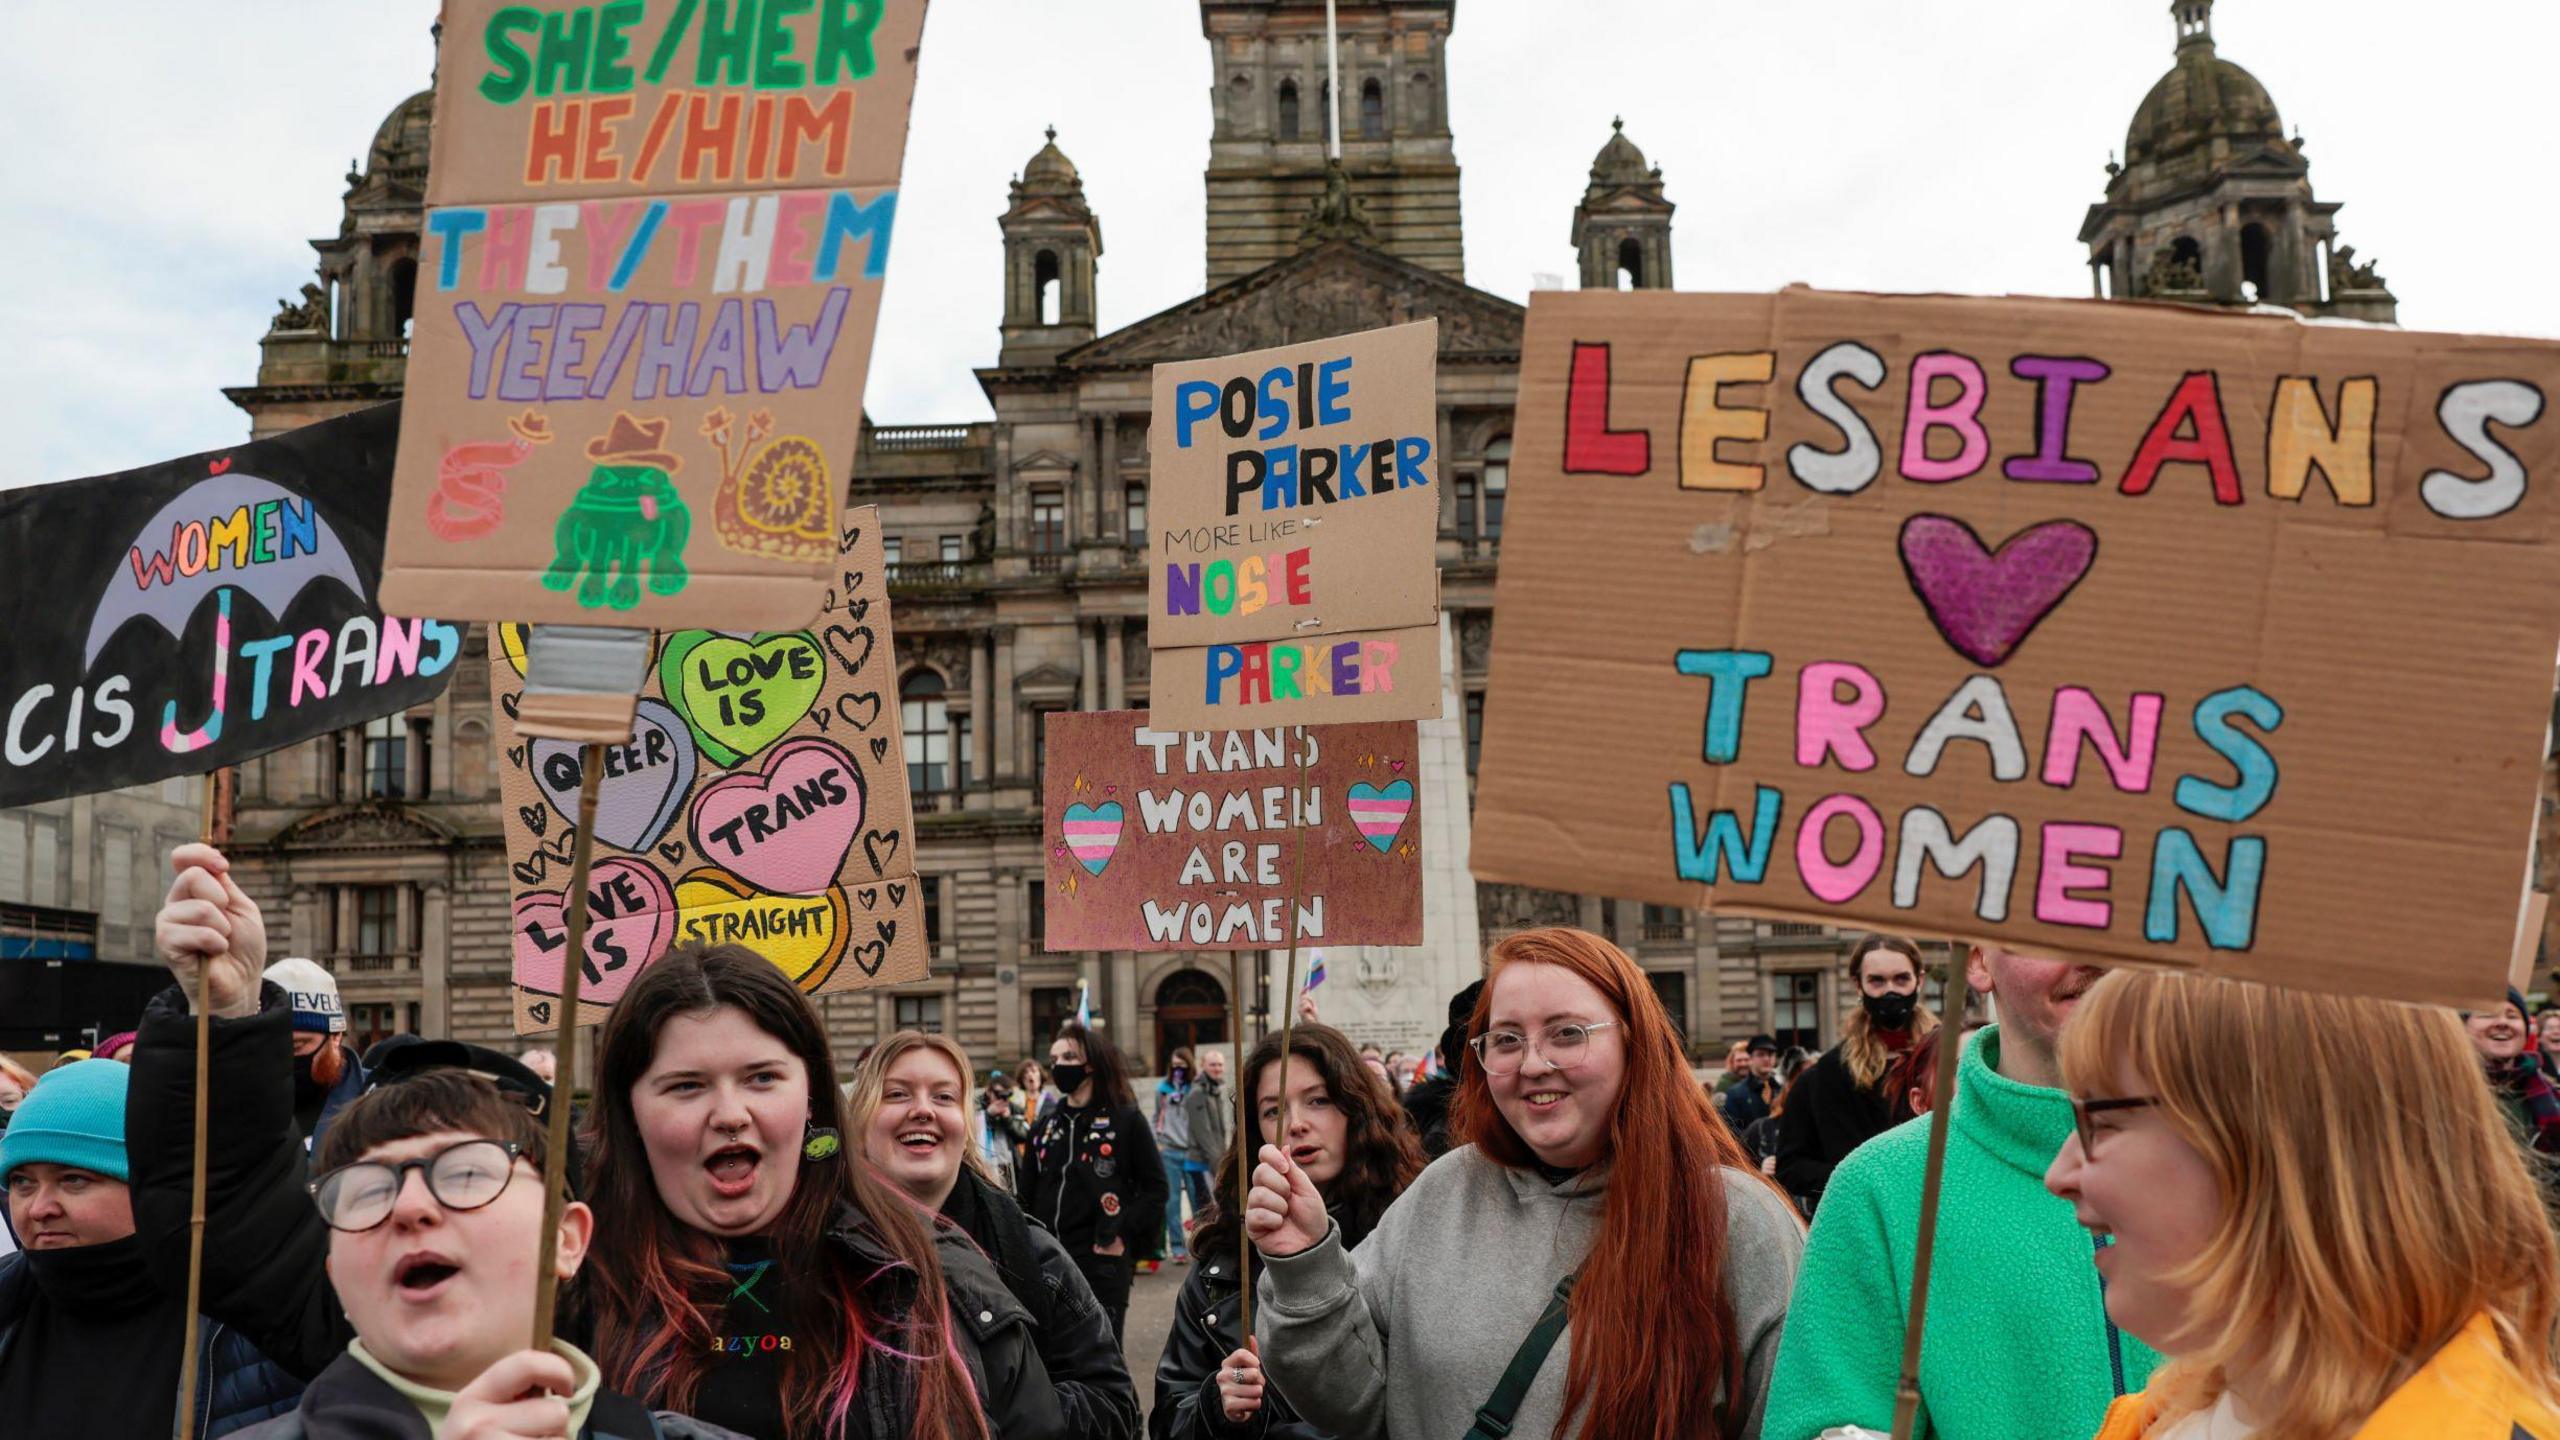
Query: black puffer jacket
(266,1248)
(1076,1345)
(1206,1330)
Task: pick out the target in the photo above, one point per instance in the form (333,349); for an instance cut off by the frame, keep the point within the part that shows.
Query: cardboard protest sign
(2102,631)
(761,800)
(1174,840)
(649,275)
(1296,506)
(198,613)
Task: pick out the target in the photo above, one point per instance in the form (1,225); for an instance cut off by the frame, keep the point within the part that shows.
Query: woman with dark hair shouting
(1356,1147)
(750,1271)
(1596,1259)
(1093,1175)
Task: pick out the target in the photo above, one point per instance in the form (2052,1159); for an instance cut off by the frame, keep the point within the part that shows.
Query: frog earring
(821,1142)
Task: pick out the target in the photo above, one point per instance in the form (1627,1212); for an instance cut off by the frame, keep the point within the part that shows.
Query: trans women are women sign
(651,267)
(2127,633)
(1291,575)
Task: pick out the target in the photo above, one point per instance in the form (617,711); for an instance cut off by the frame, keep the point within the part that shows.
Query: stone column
(1086,497)
(308,924)
(439,776)
(435,958)
(1089,682)
(1448,482)
(1115,667)
(1000,686)
(981,712)
(1114,508)
(1124,1007)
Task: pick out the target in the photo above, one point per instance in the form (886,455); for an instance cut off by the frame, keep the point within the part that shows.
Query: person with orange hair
(2310,1274)
(1597,1258)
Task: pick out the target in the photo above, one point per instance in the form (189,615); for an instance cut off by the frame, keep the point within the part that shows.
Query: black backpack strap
(1493,1422)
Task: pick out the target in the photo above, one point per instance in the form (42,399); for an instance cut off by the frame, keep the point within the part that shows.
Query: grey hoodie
(1405,1337)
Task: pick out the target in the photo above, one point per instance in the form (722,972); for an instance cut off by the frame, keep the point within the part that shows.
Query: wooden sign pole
(216,831)
(1906,1395)
(555,1188)
(1244,1156)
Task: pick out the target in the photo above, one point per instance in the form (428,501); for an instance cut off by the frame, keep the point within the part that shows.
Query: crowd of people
(2172,1209)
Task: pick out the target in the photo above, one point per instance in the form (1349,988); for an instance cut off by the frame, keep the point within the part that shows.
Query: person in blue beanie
(89,1345)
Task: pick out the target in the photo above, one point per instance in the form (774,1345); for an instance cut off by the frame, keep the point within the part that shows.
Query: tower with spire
(2212,203)
(1622,228)
(1052,246)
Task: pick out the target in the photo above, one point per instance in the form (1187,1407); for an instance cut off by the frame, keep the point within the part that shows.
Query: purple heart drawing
(1984,601)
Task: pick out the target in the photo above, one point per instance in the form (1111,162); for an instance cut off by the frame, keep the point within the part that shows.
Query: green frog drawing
(629,515)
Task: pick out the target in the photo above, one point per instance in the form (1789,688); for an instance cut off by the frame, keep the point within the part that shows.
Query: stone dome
(1051,170)
(1619,162)
(2202,96)
(400,145)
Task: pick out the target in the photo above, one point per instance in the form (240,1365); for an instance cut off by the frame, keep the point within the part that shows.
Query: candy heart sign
(789,828)
(630,920)
(804,934)
(644,783)
(741,694)
(762,795)
(1229,839)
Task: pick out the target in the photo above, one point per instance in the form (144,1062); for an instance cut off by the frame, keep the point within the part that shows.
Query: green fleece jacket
(2018,1346)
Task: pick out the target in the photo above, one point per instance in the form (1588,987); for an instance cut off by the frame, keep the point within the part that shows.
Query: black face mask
(1069,1078)
(103,1279)
(307,1092)
(1890,1011)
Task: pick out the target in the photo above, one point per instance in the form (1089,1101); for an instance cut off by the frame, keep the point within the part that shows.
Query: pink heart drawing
(631,919)
(787,829)
(1984,601)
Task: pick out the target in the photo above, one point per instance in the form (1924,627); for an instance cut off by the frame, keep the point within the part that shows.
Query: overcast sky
(170,160)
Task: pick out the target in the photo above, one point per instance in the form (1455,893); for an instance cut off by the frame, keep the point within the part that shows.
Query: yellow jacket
(2467,1392)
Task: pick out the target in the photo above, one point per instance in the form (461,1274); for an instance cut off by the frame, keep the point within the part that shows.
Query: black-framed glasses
(462,1176)
(1565,1044)
(2082,1110)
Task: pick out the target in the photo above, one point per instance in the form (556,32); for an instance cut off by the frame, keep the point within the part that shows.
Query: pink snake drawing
(471,478)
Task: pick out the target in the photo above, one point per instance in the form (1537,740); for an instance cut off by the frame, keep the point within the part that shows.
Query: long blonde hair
(2374,1199)
(870,1081)
(1860,1050)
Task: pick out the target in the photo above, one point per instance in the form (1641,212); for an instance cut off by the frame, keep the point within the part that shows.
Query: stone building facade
(1017,545)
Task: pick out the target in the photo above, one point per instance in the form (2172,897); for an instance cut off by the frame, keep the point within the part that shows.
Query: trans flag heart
(1379,811)
(1093,832)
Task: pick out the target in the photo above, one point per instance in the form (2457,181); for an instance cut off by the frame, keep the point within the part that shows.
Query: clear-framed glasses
(1565,1044)
(2081,1110)
(462,1176)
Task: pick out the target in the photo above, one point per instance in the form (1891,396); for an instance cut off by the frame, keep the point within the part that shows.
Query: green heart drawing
(740,694)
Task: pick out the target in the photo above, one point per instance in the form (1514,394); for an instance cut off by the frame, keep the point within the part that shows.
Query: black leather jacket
(1073,1334)
(1206,1330)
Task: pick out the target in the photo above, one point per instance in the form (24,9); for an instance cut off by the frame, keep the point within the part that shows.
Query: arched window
(926,718)
(404,295)
(1373,111)
(1288,109)
(2257,253)
(1630,264)
(1046,284)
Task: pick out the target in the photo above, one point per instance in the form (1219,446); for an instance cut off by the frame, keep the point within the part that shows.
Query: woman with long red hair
(1598,1258)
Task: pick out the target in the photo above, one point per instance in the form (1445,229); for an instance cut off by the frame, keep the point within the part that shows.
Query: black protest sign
(202,612)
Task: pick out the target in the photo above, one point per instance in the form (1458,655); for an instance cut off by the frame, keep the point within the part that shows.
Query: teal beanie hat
(74,1116)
